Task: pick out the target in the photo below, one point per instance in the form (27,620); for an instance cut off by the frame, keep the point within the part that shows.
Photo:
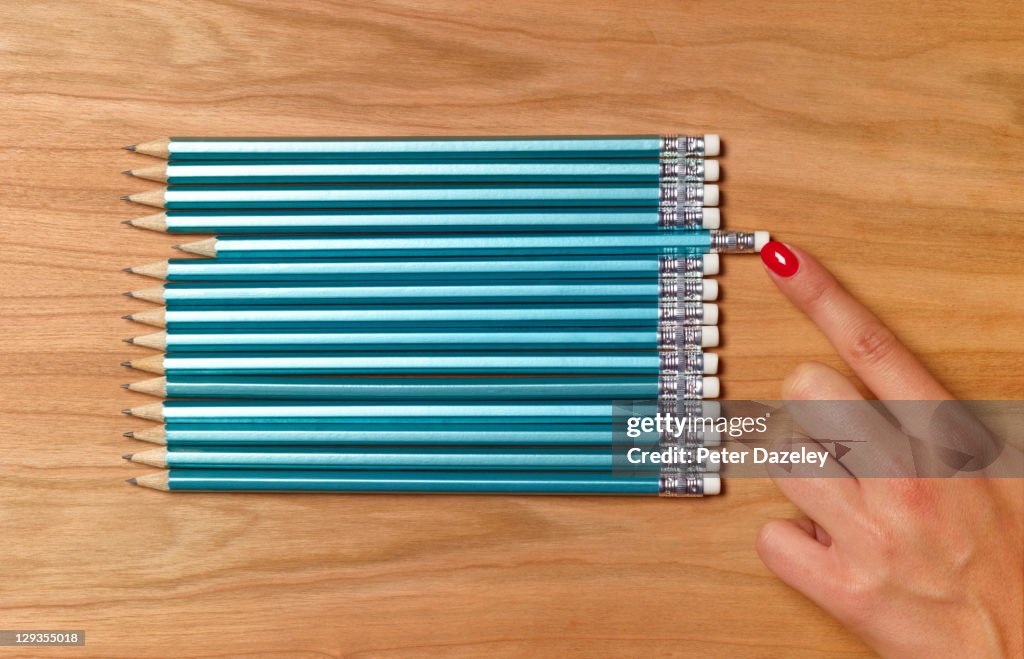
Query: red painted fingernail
(779,259)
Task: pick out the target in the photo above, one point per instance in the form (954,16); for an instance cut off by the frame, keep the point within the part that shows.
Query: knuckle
(873,343)
(816,292)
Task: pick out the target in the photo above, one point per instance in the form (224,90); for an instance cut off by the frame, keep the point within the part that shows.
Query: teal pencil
(667,483)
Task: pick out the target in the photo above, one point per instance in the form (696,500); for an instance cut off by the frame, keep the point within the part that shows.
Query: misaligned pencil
(400,388)
(371,413)
(650,243)
(295,293)
(686,244)
(290,221)
(671,483)
(489,171)
(667,335)
(367,458)
(426,269)
(392,196)
(398,149)
(464,316)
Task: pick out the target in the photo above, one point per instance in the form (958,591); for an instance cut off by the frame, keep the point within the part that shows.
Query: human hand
(917,567)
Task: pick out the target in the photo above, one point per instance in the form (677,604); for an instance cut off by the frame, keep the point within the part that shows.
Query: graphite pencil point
(130,339)
(130,147)
(126,269)
(128,364)
(126,456)
(132,481)
(128,172)
(124,386)
(129,223)
(125,197)
(178,247)
(127,294)
(128,317)
(129,434)
(126,410)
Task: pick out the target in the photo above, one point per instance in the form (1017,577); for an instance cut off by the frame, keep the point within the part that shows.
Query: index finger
(878,358)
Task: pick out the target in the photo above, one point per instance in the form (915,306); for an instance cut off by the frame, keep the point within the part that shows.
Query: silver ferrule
(682,169)
(678,390)
(676,337)
(676,482)
(675,192)
(681,217)
(682,145)
(671,310)
(733,242)
(689,266)
(684,362)
(683,287)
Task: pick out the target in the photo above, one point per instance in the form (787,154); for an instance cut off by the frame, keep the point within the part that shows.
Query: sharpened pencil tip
(128,172)
(178,247)
(127,270)
(126,364)
(132,481)
(128,317)
(128,294)
(124,386)
(129,223)
(130,147)
(129,434)
(126,410)
(127,456)
(129,340)
(126,197)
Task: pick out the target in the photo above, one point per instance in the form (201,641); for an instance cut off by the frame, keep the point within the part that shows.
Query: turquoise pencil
(439,149)
(667,483)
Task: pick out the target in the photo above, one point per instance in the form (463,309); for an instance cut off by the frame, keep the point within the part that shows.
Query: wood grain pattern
(885,137)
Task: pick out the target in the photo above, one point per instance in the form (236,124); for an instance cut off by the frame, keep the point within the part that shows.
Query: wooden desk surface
(884,137)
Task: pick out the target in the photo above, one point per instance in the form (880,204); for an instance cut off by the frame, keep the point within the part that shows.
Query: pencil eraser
(710,360)
(710,314)
(709,290)
(712,438)
(711,409)
(711,386)
(761,239)
(708,336)
(712,144)
(711,170)
(712,485)
(710,194)
(711,218)
(711,264)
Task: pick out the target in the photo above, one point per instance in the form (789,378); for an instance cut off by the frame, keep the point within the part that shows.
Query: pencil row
(314,359)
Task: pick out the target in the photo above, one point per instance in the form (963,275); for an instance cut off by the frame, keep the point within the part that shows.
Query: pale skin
(916,567)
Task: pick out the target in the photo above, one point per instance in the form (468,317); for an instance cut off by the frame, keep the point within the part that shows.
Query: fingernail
(779,259)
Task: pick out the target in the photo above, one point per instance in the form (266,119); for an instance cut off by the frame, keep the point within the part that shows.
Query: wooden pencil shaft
(290,221)
(441,292)
(685,338)
(384,388)
(437,482)
(648,171)
(437,196)
(399,317)
(396,149)
(623,244)
(433,363)
(433,458)
(423,270)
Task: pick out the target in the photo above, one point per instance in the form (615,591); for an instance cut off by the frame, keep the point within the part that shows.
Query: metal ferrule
(732,242)
(680,361)
(679,192)
(689,266)
(683,287)
(671,310)
(682,145)
(674,481)
(675,337)
(682,169)
(681,217)
(677,388)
